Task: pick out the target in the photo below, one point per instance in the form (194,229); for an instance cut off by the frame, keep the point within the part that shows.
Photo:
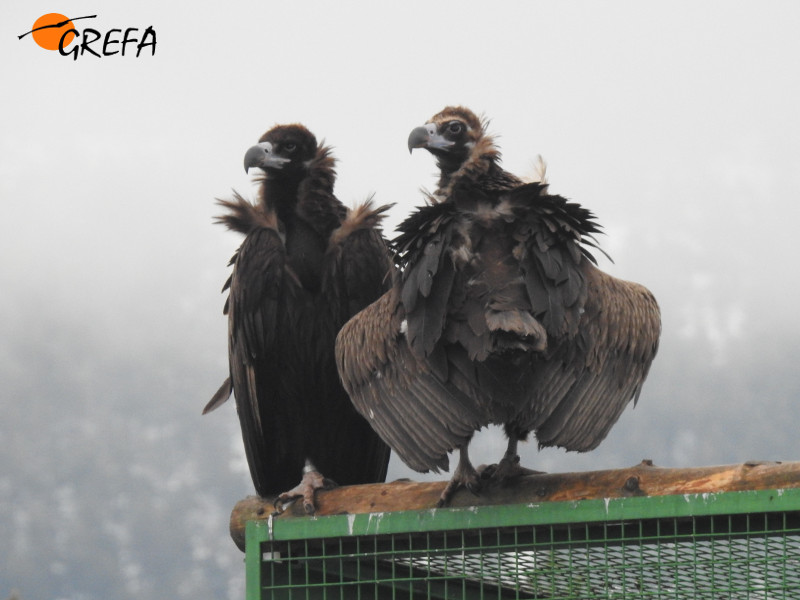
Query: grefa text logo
(54,31)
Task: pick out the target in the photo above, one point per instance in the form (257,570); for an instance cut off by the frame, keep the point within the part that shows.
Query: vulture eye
(455,127)
(289,147)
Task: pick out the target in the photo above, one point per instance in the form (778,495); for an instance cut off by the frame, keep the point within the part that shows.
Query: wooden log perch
(644,479)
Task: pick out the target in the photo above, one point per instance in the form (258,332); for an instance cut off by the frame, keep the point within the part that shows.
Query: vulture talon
(487,472)
(447,494)
(280,506)
(465,476)
(507,468)
(474,487)
(312,481)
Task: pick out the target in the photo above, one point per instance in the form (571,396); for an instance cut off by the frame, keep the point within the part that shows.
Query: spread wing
(588,380)
(419,415)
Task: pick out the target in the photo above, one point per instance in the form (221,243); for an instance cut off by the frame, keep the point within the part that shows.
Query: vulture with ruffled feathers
(306,265)
(500,315)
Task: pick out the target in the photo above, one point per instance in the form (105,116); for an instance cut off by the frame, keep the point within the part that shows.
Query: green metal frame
(727,545)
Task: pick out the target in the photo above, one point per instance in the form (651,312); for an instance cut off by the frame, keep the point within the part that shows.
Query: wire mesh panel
(733,545)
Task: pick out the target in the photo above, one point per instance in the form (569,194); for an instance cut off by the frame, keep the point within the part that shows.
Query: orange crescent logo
(50,28)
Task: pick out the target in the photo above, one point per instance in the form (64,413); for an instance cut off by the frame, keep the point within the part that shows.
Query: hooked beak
(262,156)
(427,137)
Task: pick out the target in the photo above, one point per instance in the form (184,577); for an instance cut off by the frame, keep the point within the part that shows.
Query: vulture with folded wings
(306,265)
(500,315)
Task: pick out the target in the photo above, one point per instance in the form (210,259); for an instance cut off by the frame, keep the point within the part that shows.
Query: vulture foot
(466,476)
(312,481)
(507,468)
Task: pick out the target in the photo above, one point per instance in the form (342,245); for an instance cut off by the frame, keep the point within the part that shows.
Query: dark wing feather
(220,397)
(428,274)
(417,229)
(255,290)
(552,231)
(427,319)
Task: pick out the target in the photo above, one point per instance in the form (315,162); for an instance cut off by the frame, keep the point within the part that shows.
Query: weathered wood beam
(644,479)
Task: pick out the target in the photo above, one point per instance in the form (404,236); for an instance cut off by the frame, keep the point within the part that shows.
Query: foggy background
(676,123)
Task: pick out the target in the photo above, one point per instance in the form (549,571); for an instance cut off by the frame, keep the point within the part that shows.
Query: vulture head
(450,135)
(283,151)
(296,172)
(461,145)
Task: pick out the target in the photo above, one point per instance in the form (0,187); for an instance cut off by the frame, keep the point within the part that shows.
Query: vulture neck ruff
(480,169)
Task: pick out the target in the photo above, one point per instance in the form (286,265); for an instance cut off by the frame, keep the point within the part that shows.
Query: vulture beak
(427,137)
(262,156)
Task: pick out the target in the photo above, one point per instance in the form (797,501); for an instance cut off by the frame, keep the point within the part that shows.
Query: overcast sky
(677,123)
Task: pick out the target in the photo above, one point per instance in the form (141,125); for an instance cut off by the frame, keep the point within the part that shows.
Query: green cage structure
(735,543)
